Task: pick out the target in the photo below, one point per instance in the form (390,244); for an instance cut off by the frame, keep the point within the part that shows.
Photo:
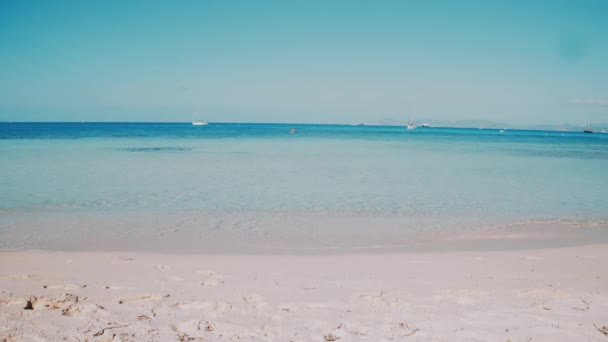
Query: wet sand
(284,233)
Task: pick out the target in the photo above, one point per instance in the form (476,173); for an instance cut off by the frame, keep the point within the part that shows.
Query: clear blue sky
(523,62)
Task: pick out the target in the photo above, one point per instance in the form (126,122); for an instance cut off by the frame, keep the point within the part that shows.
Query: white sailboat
(198,121)
(410,125)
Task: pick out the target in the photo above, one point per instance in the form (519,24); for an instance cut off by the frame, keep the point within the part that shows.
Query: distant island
(487,124)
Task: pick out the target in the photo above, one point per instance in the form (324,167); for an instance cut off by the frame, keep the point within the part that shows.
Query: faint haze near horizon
(518,62)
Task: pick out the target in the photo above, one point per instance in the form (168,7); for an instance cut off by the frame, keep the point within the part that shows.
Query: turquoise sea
(256,187)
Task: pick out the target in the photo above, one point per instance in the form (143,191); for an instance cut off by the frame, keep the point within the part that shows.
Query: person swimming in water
(292,130)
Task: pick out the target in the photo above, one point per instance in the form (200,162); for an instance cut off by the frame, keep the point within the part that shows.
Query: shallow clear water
(427,180)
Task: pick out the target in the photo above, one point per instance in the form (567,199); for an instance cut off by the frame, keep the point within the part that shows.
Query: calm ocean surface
(63,184)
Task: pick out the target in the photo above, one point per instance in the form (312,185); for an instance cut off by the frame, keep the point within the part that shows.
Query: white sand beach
(298,171)
(558,294)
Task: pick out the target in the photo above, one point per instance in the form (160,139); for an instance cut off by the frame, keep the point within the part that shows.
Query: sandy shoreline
(285,233)
(518,295)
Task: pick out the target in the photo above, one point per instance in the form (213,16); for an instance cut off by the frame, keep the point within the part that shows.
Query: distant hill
(568,127)
(488,124)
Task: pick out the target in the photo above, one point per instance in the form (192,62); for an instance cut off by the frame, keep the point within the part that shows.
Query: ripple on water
(155,149)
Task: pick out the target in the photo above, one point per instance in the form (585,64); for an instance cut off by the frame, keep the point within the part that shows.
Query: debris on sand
(102,331)
(586,308)
(603,329)
(209,326)
(331,338)
(30,304)
(412,330)
(51,303)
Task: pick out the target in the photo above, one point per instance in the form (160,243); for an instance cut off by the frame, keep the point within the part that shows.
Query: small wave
(598,222)
(155,149)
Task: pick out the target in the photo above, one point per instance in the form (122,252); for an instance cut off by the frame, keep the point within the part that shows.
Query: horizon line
(523,128)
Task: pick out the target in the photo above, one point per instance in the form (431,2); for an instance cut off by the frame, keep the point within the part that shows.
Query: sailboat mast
(409,120)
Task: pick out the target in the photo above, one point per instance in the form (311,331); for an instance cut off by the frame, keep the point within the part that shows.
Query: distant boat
(198,121)
(588,128)
(410,125)
(501,131)
(425,125)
